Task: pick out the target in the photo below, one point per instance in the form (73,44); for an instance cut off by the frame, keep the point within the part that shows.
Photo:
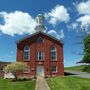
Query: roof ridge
(38,33)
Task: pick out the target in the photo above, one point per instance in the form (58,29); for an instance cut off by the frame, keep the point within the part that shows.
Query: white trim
(54,71)
(29,53)
(42,56)
(51,54)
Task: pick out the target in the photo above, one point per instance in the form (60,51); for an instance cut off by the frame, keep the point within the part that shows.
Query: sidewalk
(41,84)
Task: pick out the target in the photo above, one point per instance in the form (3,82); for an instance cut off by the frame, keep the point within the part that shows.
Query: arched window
(53,53)
(40,40)
(26,53)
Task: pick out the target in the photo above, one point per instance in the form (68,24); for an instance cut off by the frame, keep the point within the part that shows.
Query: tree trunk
(15,75)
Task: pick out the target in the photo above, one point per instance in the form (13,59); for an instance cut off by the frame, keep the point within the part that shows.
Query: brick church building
(42,53)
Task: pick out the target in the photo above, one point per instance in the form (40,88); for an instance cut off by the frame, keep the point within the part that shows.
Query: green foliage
(86,57)
(69,83)
(87,69)
(87,44)
(16,66)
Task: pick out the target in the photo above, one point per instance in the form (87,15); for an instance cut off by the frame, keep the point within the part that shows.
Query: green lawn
(76,68)
(19,85)
(69,83)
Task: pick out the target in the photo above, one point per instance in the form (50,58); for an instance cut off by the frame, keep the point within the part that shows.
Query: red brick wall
(45,47)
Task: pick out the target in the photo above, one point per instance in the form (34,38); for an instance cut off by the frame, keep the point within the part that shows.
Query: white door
(40,70)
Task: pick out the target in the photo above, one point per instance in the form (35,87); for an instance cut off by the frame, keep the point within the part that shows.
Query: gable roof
(29,36)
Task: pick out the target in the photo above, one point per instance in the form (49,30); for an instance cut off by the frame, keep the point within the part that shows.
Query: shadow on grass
(68,74)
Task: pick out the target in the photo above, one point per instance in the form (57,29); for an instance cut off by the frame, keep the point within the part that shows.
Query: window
(53,53)
(40,55)
(40,40)
(54,69)
(26,53)
(27,69)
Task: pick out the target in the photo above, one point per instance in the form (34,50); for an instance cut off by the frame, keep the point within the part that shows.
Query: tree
(14,67)
(86,57)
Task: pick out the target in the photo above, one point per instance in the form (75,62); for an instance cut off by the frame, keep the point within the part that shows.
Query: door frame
(38,69)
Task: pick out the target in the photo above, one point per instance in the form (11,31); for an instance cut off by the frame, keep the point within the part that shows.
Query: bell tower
(40,23)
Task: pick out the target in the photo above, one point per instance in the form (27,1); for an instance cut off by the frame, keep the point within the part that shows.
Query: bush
(87,68)
(22,78)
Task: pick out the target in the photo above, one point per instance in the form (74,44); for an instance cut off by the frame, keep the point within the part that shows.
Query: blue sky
(65,19)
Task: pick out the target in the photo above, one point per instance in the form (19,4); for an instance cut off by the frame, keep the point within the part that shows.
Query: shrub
(22,78)
(87,68)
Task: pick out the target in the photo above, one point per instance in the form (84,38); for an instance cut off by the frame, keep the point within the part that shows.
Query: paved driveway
(77,73)
(41,84)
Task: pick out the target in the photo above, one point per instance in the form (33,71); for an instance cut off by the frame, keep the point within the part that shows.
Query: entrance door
(40,70)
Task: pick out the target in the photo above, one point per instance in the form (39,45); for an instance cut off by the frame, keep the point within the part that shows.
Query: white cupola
(40,23)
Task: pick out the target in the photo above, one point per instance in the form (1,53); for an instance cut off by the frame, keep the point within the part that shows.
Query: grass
(69,83)
(76,68)
(17,85)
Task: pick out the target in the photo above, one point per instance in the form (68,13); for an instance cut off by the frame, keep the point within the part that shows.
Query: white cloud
(17,22)
(84,20)
(58,14)
(62,34)
(55,34)
(72,26)
(84,7)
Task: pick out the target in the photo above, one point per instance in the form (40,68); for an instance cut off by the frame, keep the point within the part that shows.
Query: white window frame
(56,69)
(24,53)
(55,53)
(38,55)
(28,69)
